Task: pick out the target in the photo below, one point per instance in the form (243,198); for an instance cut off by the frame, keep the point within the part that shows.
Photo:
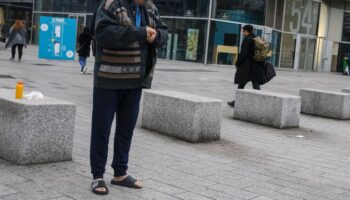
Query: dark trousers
(124,104)
(20,51)
(256,85)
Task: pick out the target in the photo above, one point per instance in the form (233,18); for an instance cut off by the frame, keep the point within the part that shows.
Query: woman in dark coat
(17,39)
(84,42)
(247,68)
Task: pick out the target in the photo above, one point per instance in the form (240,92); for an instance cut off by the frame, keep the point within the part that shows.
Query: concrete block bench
(188,117)
(268,108)
(325,104)
(35,131)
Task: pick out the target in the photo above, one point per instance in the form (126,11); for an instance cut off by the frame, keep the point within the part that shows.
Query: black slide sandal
(99,183)
(127,182)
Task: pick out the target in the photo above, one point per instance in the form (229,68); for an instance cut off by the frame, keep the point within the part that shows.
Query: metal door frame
(296,65)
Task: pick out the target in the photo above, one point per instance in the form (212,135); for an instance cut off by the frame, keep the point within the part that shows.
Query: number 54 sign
(301,12)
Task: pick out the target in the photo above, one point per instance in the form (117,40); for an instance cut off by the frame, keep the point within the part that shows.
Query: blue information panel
(57,38)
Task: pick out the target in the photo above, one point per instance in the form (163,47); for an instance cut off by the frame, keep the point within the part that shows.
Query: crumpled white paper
(35,95)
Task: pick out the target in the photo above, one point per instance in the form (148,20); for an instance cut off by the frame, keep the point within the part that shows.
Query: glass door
(307,53)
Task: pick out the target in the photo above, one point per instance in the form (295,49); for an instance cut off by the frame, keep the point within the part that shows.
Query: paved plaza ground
(249,162)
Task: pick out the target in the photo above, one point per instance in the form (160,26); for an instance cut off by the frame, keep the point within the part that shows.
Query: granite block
(184,116)
(328,104)
(36,131)
(268,108)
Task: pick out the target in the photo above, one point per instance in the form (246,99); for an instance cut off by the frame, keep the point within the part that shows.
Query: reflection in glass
(270,13)
(223,43)
(187,8)
(79,6)
(288,51)
(186,40)
(246,11)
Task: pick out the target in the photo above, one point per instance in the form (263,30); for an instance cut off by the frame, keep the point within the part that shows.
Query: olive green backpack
(262,49)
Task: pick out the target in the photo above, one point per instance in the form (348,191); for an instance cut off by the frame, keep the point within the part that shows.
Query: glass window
(288,50)
(279,14)
(275,47)
(270,13)
(188,8)
(347,6)
(344,52)
(346,27)
(246,11)
(186,40)
(223,43)
(302,16)
(339,4)
(12,12)
(80,6)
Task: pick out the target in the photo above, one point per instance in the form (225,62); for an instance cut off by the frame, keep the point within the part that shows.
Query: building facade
(311,35)
(12,10)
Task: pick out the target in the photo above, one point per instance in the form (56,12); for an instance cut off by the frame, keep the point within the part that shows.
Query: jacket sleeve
(245,49)
(162,30)
(112,35)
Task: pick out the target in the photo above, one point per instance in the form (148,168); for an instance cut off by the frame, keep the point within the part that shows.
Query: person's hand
(151,34)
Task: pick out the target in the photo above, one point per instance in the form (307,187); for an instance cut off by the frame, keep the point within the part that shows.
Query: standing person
(84,41)
(127,35)
(17,39)
(248,69)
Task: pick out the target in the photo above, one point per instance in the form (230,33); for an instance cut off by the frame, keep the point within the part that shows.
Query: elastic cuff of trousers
(96,176)
(119,173)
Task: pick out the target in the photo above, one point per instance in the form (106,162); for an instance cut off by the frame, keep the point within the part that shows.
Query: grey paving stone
(263,198)
(62,198)
(243,194)
(270,193)
(156,195)
(191,196)
(346,90)
(4,190)
(35,190)
(38,131)
(163,187)
(267,158)
(10,178)
(18,196)
(184,116)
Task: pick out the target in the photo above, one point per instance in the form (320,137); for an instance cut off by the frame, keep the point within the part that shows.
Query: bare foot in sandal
(99,187)
(127,181)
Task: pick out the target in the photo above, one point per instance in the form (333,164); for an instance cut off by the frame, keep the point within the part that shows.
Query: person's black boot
(232,104)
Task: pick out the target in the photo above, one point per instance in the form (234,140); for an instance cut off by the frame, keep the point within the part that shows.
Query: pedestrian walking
(248,68)
(127,35)
(84,42)
(17,39)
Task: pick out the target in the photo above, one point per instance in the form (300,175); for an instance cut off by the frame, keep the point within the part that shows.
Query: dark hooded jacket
(84,42)
(120,61)
(247,68)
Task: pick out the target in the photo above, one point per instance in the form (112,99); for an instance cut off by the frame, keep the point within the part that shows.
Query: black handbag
(270,72)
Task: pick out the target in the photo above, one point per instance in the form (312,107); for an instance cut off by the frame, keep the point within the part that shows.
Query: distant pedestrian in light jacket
(248,70)
(128,32)
(17,39)
(84,42)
